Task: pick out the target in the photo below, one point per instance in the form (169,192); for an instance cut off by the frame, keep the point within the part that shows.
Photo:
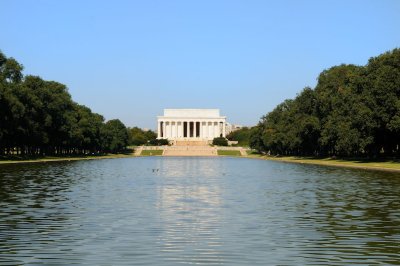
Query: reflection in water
(192,166)
(210,211)
(190,198)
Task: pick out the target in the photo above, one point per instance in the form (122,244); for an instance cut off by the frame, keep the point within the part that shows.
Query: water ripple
(207,211)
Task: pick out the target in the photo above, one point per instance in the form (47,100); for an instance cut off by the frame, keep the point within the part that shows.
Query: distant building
(191,124)
(232,127)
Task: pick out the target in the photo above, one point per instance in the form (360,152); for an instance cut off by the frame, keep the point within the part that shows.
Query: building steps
(191,143)
(190,151)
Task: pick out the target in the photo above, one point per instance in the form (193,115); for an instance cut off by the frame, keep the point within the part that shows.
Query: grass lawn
(388,164)
(253,153)
(151,152)
(30,159)
(229,153)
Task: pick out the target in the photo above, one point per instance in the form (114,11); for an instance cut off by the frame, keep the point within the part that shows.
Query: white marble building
(232,127)
(191,124)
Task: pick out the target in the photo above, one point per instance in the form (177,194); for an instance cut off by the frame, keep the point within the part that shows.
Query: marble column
(168,129)
(176,129)
(164,135)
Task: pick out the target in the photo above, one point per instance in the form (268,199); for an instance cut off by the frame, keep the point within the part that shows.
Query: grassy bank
(383,164)
(151,152)
(25,159)
(228,152)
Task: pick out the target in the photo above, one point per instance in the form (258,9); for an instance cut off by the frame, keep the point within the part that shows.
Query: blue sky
(131,59)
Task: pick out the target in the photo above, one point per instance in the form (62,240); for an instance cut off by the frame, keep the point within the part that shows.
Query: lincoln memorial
(191,124)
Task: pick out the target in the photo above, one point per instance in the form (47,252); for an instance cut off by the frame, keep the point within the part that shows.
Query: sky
(131,59)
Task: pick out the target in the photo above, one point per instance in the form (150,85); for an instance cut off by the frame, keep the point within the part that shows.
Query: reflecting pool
(207,211)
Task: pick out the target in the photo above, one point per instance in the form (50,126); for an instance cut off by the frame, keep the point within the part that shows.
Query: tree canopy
(39,117)
(139,136)
(242,136)
(352,111)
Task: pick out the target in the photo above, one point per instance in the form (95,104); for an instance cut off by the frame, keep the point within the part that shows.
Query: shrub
(220,141)
(158,142)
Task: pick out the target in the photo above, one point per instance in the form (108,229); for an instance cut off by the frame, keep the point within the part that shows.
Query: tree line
(352,111)
(39,117)
(140,136)
(241,135)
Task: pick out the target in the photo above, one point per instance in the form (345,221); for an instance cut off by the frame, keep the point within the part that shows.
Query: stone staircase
(190,150)
(191,143)
(138,150)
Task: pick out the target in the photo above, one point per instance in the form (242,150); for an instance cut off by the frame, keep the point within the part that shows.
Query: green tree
(343,108)
(383,81)
(12,110)
(38,117)
(115,136)
(242,136)
(139,136)
(255,138)
(86,133)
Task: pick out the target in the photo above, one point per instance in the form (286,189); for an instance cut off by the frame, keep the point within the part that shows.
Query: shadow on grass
(128,151)
(371,160)
(360,160)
